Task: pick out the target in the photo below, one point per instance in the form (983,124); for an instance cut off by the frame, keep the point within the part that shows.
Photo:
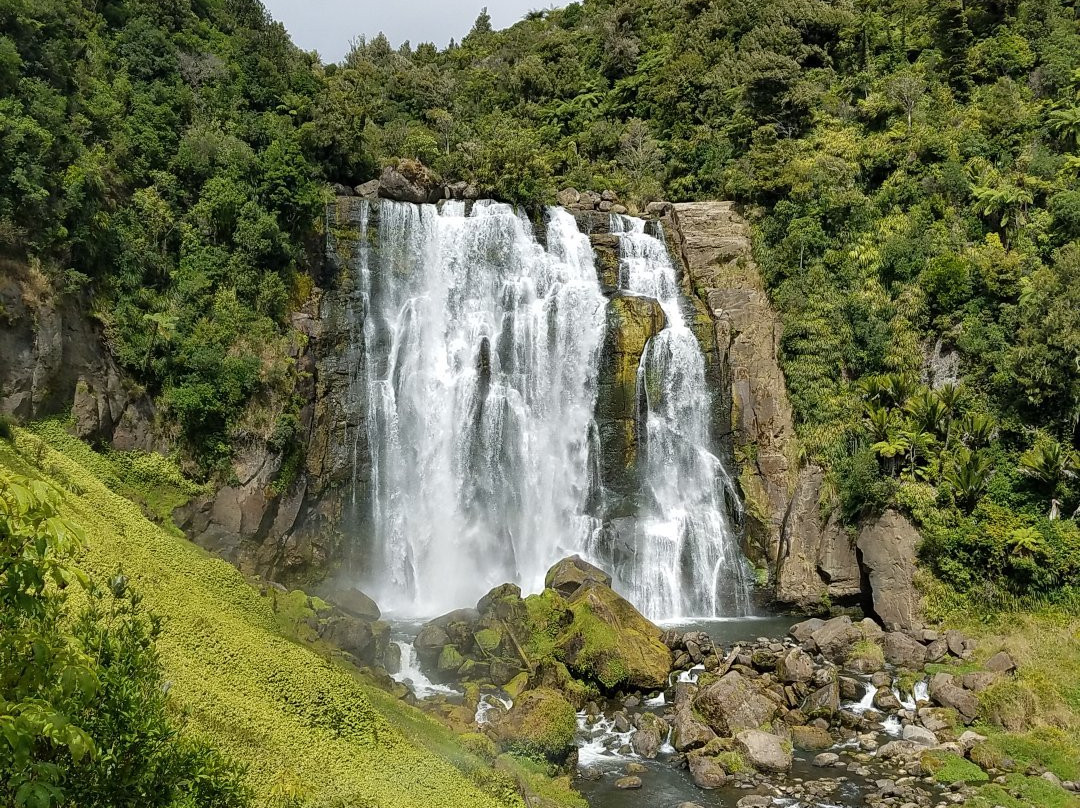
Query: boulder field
(537,673)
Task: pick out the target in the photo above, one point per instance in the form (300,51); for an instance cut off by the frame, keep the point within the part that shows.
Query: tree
(1065,123)
(641,156)
(906,89)
(1050,464)
(969,477)
(83,707)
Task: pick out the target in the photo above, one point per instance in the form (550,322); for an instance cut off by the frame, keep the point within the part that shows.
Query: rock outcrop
(631,322)
(886,548)
(817,555)
(53,359)
(714,243)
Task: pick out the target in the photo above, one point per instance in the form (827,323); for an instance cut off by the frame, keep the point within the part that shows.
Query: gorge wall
(315,527)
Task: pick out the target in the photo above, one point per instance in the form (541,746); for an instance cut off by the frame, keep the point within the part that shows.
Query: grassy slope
(1046,646)
(298,721)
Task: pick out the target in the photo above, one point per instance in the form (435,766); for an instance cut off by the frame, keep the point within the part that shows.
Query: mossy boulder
(947,767)
(540,725)
(570,573)
(611,643)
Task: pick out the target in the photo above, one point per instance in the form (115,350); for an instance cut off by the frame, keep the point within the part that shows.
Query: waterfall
(474,356)
(688,556)
(482,380)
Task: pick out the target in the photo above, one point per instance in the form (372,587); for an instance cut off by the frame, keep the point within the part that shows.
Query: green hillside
(304,727)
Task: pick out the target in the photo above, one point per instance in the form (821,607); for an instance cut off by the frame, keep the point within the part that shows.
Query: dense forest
(911,172)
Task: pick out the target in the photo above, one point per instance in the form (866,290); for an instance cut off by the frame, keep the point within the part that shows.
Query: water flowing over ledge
(475,349)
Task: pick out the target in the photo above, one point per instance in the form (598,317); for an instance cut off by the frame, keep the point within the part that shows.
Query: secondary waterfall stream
(476,347)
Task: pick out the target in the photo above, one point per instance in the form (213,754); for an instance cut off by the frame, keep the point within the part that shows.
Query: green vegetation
(304,730)
(83,717)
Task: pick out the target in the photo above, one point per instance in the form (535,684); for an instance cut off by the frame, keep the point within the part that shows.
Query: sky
(329,25)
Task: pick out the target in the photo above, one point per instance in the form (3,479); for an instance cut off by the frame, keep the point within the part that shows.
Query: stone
(352,600)
(919,735)
(826,759)
(635,768)
(764,751)
(734,703)
(887,548)
(835,637)
(820,557)
(754,801)
(934,719)
(649,737)
(706,771)
(619,210)
(898,749)
(904,652)
(969,738)
(654,210)
(810,738)
(850,689)
(368,190)
(795,665)
(687,732)
(567,575)
(823,702)
(803,632)
(609,641)
(568,197)
(630,782)
(409,181)
(541,723)
(885,700)
(945,692)
(1000,662)
(609,196)
(978,681)
(937,650)
(955,640)
(341,190)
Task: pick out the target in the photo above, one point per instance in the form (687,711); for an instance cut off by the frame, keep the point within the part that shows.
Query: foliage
(276,708)
(82,706)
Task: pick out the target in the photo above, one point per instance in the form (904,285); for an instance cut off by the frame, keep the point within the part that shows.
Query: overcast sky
(329,25)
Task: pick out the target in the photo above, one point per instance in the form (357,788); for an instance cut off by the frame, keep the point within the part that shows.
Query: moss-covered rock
(947,767)
(567,575)
(540,725)
(610,642)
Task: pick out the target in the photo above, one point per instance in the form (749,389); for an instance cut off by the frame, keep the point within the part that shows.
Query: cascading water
(475,351)
(688,556)
(481,381)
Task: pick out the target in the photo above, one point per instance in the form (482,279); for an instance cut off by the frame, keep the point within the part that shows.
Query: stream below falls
(605,756)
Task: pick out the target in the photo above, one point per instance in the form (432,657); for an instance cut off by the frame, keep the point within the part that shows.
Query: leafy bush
(83,706)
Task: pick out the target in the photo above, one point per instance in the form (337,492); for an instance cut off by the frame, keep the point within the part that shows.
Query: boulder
(763,750)
(1000,662)
(919,735)
(650,735)
(568,197)
(955,640)
(734,703)
(541,724)
(887,549)
(811,738)
(904,652)
(826,759)
(628,782)
(795,665)
(368,190)
(687,732)
(570,573)
(611,643)
(945,692)
(885,700)
(823,702)
(352,600)
(706,771)
(803,632)
(937,650)
(835,637)
(409,181)
(980,680)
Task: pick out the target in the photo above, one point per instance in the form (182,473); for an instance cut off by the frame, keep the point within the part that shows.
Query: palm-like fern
(969,477)
(1050,464)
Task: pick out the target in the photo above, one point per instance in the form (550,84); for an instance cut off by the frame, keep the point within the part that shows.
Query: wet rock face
(714,242)
(631,322)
